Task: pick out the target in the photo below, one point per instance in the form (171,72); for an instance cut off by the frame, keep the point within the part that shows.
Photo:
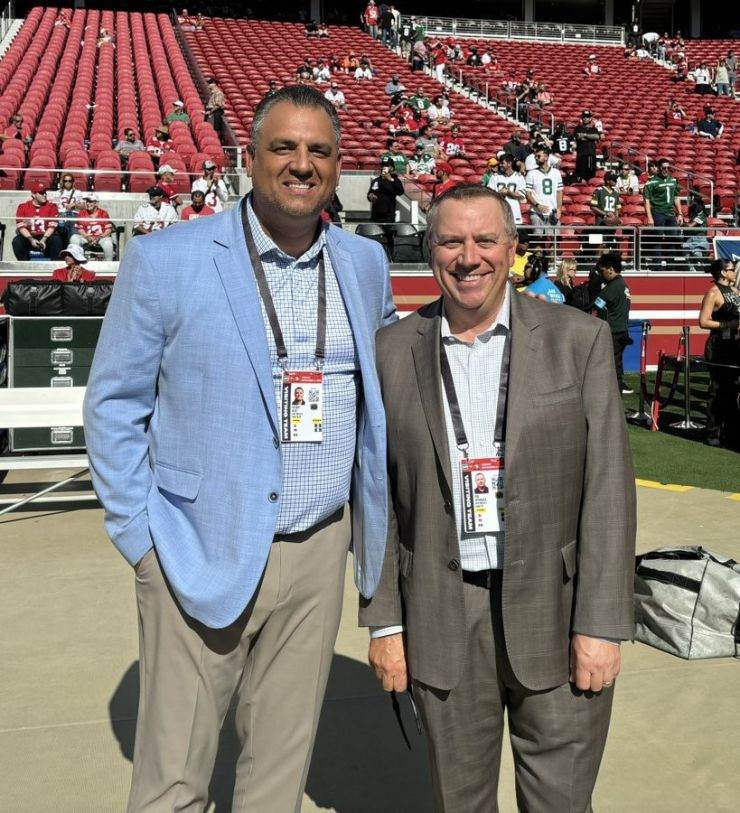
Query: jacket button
(448,507)
(453,564)
(275,442)
(273,496)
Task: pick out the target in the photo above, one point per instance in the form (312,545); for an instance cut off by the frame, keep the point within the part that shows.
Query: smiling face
(471,255)
(295,163)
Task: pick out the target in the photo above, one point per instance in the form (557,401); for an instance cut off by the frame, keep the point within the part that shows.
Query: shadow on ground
(359,754)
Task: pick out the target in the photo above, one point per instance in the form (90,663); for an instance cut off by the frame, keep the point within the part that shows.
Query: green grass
(675,455)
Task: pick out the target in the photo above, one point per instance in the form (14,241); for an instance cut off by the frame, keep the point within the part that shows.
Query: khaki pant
(275,657)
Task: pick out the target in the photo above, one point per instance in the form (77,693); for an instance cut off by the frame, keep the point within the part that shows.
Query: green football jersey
(662,194)
(606,199)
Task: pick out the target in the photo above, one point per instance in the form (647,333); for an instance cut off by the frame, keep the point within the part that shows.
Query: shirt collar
(502,320)
(266,246)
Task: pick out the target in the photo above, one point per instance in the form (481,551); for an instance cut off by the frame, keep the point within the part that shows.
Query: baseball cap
(76,252)
(38,187)
(166,168)
(493,161)
(386,161)
(209,165)
(155,191)
(90,196)
(420,143)
(178,103)
(586,114)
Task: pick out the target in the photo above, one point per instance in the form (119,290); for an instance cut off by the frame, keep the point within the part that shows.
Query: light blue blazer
(181,423)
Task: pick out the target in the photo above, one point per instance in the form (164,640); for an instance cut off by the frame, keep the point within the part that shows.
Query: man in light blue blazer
(231,502)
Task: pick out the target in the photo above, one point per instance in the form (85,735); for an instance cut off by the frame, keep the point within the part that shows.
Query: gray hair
(298,96)
(466,192)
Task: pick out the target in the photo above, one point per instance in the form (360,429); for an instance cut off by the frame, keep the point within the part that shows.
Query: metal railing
(520,30)
(671,249)
(7,15)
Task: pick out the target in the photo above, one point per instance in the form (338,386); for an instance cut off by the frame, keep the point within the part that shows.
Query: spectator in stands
(214,112)
(613,304)
(675,115)
(166,175)
(106,38)
(703,79)
(197,208)
(200,22)
(383,192)
(452,145)
(720,314)
(350,63)
(386,24)
(312,30)
(272,88)
(212,186)
(400,162)
(178,112)
(128,144)
(94,228)
(323,72)
(592,67)
(511,185)
(731,62)
(587,137)
(709,127)
(663,208)
(605,202)
(420,101)
(17,129)
(562,141)
(419,55)
(722,78)
(159,143)
(652,171)
(439,113)
(696,244)
(422,162)
(438,58)
(73,271)
(62,20)
(184,18)
(488,58)
(69,201)
(474,59)
(36,226)
(371,19)
(324,31)
(491,169)
(627,182)
(364,69)
(517,149)
(544,97)
(155,215)
(544,192)
(443,171)
(406,36)
(395,85)
(336,96)
(427,140)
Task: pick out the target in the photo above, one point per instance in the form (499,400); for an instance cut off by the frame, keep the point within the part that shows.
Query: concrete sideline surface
(69,687)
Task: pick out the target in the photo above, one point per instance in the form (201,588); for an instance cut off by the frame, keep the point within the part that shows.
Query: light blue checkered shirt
(476,373)
(316,476)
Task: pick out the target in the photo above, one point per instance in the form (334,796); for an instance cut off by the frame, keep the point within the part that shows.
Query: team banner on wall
(727,248)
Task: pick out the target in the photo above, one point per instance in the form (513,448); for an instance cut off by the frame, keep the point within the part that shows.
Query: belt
(302,536)
(489,579)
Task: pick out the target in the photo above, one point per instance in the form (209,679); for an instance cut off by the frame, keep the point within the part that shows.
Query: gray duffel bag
(687,602)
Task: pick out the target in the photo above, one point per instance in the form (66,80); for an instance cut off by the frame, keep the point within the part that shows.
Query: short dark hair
(611,260)
(466,192)
(298,96)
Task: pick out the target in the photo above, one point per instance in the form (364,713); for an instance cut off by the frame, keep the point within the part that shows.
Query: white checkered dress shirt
(316,476)
(476,372)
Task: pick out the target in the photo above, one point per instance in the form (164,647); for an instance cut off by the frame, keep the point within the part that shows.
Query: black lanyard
(264,289)
(499,432)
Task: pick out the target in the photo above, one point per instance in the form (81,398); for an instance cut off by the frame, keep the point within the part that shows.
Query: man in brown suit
(524,611)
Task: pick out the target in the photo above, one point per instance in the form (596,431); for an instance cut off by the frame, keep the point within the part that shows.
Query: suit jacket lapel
(524,354)
(237,278)
(425,351)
